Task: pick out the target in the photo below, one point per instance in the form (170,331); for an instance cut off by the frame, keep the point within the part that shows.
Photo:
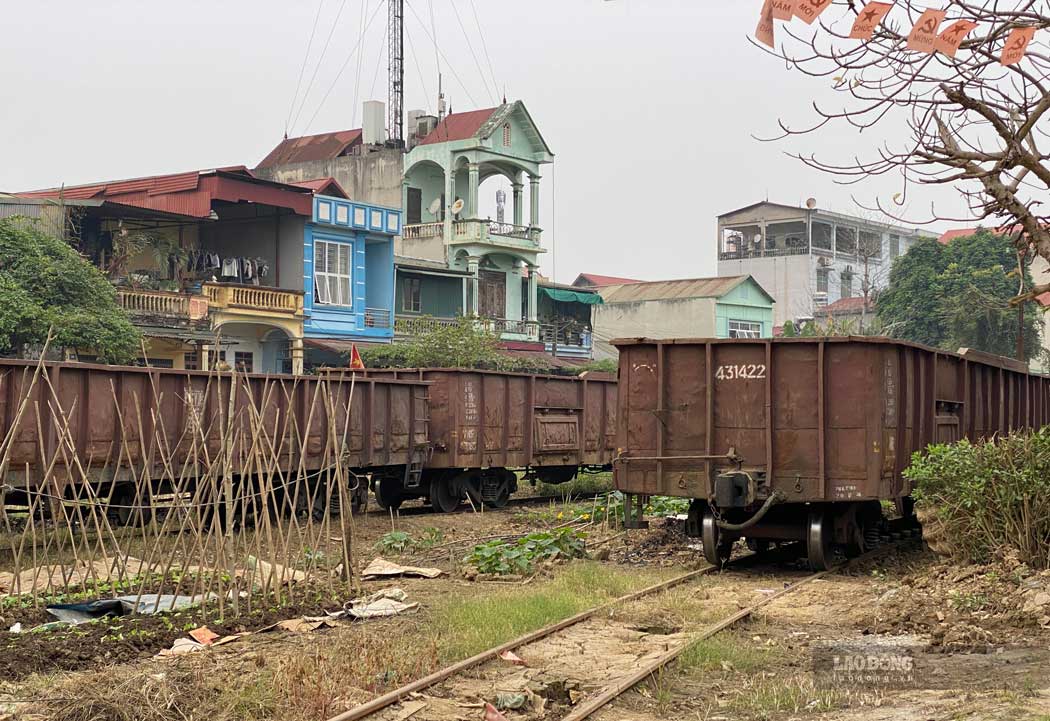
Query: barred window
(333,279)
(745,329)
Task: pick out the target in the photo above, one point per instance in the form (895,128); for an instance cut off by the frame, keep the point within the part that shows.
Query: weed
(501,557)
(721,653)
(394,542)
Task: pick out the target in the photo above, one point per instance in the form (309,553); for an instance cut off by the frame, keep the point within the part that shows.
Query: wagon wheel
(359,499)
(716,548)
(502,495)
(388,494)
(819,532)
(444,495)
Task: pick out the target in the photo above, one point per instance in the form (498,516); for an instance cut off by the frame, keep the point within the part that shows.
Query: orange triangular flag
(868,19)
(923,36)
(764,31)
(949,41)
(356,364)
(1016,45)
(783,9)
(808,10)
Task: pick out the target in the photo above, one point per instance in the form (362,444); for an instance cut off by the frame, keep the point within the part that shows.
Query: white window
(745,329)
(332,275)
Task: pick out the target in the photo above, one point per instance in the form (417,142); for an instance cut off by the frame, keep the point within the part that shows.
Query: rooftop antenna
(441,100)
(396,67)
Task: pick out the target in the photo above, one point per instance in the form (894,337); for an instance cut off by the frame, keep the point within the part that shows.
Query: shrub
(983,500)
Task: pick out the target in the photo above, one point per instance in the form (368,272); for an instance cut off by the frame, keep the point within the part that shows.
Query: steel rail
(387,699)
(609,693)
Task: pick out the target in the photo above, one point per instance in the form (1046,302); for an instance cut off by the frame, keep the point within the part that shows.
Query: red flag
(783,9)
(868,19)
(808,10)
(356,364)
(1016,45)
(764,31)
(923,36)
(949,41)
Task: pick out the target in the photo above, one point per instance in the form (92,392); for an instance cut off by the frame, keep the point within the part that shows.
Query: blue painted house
(348,275)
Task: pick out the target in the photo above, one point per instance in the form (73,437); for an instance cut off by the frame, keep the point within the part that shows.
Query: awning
(571,296)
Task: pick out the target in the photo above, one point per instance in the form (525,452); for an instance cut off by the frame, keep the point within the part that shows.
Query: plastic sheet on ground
(388,602)
(146,604)
(382,567)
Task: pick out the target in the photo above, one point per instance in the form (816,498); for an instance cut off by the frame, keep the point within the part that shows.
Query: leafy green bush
(394,542)
(45,284)
(501,557)
(983,500)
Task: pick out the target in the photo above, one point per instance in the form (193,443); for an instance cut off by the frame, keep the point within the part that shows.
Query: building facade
(220,267)
(724,307)
(808,258)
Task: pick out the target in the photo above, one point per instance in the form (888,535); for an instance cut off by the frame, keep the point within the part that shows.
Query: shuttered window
(333,278)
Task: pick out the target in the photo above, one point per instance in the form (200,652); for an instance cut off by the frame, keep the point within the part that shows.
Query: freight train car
(801,439)
(113,426)
(484,425)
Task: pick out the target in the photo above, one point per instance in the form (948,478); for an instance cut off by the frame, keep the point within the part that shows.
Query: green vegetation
(957,295)
(982,500)
(501,557)
(45,285)
(465,626)
(722,653)
(399,542)
(585,484)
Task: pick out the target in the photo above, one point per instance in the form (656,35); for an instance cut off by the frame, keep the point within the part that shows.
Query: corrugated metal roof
(458,126)
(845,305)
(597,281)
(324,186)
(667,289)
(323,146)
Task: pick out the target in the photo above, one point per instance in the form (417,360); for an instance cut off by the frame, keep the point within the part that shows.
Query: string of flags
(926,35)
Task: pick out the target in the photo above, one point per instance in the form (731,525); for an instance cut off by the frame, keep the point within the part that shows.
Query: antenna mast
(396,66)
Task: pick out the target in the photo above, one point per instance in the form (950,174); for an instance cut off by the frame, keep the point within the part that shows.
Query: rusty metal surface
(819,419)
(483,419)
(115,410)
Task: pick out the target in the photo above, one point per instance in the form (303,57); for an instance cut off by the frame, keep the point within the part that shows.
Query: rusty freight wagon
(484,425)
(800,439)
(112,426)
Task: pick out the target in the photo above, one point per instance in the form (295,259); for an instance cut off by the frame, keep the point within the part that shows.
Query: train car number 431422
(744,370)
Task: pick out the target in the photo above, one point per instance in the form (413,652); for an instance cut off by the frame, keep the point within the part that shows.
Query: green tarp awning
(571,296)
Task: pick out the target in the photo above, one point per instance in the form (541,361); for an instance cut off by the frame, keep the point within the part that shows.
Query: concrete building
(222,266)
(807,258)
(725,307)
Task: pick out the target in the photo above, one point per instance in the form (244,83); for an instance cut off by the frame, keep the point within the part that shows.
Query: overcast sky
(649,105)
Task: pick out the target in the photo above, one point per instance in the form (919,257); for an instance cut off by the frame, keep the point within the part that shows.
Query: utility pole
(396,66)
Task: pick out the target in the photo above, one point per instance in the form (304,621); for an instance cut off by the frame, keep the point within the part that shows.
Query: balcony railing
(418,231)
(418,325)
(377,317)
(407,325)
(163,304)
(466,231)
(745,253)
(254,298)
(503,326)
(576,335)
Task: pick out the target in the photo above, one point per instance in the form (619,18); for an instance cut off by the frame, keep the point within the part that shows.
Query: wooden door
(492,294)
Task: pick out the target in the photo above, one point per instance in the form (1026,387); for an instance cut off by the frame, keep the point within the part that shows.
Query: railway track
(636,672)
(512,502)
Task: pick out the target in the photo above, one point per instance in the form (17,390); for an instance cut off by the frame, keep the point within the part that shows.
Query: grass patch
(722,652)
(587,484)
(466,626)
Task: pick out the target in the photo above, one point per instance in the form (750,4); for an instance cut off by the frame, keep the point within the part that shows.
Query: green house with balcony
(453,258)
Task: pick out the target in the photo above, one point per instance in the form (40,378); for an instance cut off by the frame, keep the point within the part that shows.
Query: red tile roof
(189,193)
(324,186)
(597,281)
(950,235)
(846,305)
(323,146)
(458,126)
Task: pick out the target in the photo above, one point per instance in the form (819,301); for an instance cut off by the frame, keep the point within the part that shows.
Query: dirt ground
(976,641)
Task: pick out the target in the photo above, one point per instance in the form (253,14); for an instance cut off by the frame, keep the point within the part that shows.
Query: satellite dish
(457,206)
(435,206)
(811,203)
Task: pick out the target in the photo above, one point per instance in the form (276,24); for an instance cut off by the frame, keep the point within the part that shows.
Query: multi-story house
(221,266)
(451,259)
(808,258)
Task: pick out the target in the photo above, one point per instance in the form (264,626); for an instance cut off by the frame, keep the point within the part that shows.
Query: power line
(357,82)
(422,81)
(470,46)
(313,77)
(484,46)
(346,62)
(451,67)
(302,70)
(379,61)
